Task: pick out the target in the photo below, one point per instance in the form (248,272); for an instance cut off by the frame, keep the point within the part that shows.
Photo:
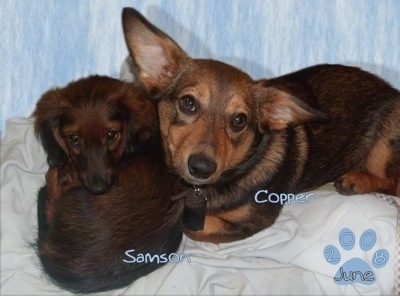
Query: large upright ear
(278,109)
(157,57)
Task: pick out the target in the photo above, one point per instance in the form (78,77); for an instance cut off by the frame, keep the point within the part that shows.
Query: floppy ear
(140,119)
(156,56)
(47,120)
(278,109)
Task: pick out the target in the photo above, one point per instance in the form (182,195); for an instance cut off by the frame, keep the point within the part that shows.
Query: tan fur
(378,158)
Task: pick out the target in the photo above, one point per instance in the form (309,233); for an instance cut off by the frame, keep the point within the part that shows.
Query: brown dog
(230,136)
(94,123)
(88,243)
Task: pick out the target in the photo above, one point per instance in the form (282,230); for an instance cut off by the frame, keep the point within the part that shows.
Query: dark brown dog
(231,136)
(95,124)
(88,243)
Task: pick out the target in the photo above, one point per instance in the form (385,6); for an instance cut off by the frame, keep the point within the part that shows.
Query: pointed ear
(278,109)
(157,57)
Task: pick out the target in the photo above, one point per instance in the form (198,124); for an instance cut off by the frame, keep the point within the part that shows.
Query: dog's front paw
(361,182)
(349,184)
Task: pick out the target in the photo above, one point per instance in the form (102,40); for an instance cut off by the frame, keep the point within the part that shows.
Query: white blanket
(301,254)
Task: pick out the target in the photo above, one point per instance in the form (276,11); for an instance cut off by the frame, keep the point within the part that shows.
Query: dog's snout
(97,187)
(97,184)
(200,166)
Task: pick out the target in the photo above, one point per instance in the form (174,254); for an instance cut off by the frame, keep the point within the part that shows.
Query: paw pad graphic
(356,270)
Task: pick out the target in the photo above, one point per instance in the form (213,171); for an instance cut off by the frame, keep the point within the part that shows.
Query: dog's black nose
(97,186)
(200,166)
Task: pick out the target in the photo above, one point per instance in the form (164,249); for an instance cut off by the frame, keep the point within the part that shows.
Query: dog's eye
(74,139)
(187,104)
(111,136)
(239,121)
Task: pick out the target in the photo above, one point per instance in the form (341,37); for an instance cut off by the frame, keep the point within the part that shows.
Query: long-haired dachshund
(93,242)
(232,138)
(95,123)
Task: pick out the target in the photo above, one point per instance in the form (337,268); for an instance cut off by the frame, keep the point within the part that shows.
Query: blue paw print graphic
(356,270)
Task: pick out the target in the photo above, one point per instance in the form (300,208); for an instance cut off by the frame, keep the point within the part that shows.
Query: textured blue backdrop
(47,43)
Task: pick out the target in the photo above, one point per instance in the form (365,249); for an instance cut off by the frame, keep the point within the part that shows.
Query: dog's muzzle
(200,166)
(98,184)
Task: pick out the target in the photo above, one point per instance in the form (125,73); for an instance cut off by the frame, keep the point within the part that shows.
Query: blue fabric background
(46,43)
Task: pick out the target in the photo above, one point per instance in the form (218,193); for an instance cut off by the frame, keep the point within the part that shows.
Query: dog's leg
(216,230)
(233,225)
(211,231)
(54,192)
(363,182)
(58,181)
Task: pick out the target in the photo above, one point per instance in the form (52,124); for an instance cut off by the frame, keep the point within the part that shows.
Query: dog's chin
(184,175)
(199,182)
